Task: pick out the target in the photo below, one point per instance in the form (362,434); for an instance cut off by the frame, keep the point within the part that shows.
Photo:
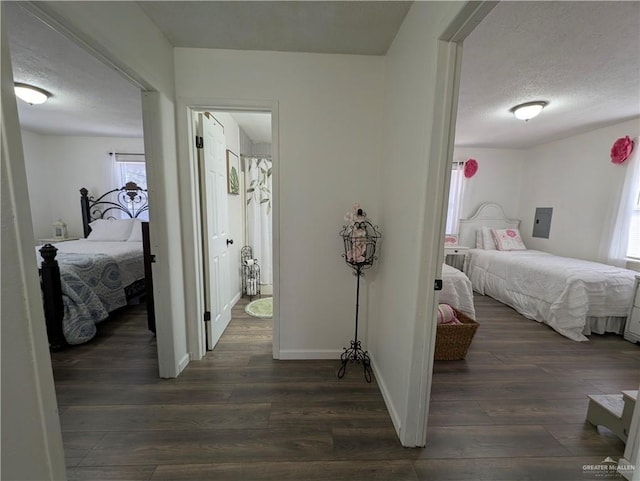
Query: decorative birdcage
(250,273)
(360,239)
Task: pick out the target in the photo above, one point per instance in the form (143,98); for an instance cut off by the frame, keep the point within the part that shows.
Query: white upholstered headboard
(488,214)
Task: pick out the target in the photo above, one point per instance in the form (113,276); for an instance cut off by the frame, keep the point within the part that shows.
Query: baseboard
(302,354)
(236,298)
(393,413)
(183,363)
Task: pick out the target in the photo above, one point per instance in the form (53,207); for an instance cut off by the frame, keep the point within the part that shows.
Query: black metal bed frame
(131,200)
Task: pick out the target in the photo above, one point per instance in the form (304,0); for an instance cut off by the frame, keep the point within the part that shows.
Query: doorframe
(448,71)
(186,107)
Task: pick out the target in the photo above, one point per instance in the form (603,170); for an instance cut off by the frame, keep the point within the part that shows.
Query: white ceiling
(348,27)
(581,57)
(88,98)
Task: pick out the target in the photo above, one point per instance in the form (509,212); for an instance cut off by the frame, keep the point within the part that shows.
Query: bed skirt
(602,325)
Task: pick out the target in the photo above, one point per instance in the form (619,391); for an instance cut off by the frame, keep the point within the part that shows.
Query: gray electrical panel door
(542,222)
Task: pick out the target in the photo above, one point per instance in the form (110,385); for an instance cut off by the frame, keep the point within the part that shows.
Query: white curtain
(614,243)
(456,194)
(259,219)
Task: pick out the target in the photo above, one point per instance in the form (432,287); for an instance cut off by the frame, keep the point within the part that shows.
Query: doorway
(247,211)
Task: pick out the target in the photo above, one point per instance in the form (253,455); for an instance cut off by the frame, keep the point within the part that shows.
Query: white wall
(499,178)
(408,122)
(58,166)
(261,148)
(31,439)
(576,177)
(330,144)
(235,204)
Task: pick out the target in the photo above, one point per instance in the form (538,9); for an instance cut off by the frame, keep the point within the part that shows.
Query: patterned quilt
(91,288)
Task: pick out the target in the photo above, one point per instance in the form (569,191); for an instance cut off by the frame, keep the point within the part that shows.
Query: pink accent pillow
(508,239)
(446,315)
(451,240)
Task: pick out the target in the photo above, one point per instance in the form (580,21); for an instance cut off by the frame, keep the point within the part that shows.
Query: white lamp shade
(59,229)
(31,95)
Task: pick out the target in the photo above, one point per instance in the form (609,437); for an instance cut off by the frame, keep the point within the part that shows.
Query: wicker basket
(453,340)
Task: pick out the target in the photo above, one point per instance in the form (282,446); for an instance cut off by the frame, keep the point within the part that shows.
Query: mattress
(457,291)
(562,292)
(93,277)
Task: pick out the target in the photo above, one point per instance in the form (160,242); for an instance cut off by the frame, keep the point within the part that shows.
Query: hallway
(514,409)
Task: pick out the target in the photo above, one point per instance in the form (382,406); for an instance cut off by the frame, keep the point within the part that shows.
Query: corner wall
(499,178)
(575,176)
(409,112)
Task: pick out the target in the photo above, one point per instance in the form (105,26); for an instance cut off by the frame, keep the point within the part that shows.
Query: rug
(262,308)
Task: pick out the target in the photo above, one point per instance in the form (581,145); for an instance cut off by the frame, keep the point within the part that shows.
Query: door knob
(229,241)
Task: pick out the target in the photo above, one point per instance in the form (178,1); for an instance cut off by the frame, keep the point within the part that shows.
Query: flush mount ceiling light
(528,110)
(30,94)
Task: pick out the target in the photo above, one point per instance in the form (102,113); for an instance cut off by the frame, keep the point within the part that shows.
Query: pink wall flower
(470,168)
(621,150)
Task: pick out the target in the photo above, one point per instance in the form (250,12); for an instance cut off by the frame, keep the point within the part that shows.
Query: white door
(215,228)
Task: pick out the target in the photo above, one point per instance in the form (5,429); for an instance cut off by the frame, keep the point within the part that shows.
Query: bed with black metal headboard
(85,280)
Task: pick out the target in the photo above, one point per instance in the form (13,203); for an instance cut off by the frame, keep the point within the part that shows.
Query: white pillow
(479,244)
(111,230)
(487,239)
(508,239)
(136,231)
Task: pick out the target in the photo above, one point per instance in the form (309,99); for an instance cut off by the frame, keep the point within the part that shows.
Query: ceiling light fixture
(30,94)
(528,110)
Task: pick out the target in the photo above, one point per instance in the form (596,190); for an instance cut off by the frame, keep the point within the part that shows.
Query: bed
(457,291)
(83,281)
(573,296)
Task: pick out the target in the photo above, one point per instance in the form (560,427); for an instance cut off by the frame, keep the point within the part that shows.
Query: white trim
(235,299)
(182,363)
(190,210)
(34,373)
(166,323)
(315,354)
(413,430)
(388,399)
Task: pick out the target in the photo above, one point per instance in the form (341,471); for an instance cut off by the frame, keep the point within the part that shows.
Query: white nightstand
(53,241)
(455,256)
(632,327)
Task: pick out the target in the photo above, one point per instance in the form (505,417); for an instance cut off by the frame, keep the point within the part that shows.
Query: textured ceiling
(88,98)
(581,57)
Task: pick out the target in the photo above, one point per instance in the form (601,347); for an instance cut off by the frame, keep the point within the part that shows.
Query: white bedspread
(457,291)
(558,291)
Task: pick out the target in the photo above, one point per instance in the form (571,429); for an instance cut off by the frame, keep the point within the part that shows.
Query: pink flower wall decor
(621,150)
(470,168)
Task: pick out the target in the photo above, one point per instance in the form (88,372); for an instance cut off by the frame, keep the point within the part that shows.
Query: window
(133,172)
(130,168)
(456,193)
(633,249)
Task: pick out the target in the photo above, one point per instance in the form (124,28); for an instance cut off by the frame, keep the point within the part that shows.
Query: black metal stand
(359,237)
(355,353)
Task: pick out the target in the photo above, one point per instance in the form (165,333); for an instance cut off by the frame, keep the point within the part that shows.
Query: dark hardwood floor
(514,409)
